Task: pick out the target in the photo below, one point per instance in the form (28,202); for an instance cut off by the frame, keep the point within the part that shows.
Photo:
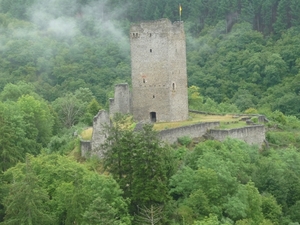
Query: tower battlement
(162,26)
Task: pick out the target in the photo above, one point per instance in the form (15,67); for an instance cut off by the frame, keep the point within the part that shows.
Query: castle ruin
(159,75)
(159,88)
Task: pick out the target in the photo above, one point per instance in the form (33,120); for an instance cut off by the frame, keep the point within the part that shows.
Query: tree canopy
(59,62)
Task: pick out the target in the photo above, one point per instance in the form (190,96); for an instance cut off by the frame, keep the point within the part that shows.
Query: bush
(293,122)
(185,140)
(254,120)
(281,138)
(251,111)
(180,153)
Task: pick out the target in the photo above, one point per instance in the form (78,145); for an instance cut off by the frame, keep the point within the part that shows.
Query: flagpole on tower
(180,9)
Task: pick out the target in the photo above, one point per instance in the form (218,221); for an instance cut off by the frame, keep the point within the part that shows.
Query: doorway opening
(153,117)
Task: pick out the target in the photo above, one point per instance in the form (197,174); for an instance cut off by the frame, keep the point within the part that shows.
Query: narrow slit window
(144,81)
(153,96)
(150,49)
(150,34)
(173,86)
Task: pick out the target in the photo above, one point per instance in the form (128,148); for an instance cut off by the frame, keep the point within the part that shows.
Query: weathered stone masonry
(159,76)
(159,89)
(121,103)
(193,131)
(253,135)
(93,147)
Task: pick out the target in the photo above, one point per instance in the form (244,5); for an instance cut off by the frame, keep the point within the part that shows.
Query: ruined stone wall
(121,103)
(193,131)
(85,148)
(159,77)
(253,135)
(101,120)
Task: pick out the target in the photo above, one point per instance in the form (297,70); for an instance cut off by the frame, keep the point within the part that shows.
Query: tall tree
(39,122)
(73,189)
(27,202)
(140,164)
(13,136)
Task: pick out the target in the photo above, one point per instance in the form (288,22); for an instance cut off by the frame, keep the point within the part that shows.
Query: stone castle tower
(159,76)
(159,89)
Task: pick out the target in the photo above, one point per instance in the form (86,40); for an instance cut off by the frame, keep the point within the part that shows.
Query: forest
(59,62)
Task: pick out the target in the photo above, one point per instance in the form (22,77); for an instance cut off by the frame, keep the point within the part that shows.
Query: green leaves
(27,202)
(64,191)
(217,180)
(72,106)
(12,136)
(139,163)
(39,120)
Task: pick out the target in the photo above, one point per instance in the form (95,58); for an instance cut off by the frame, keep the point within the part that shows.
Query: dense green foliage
(52,189)
(242,53)
(59,60)
(234,182)
(139,163)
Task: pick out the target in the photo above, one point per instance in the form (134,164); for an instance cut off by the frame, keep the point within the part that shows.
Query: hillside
(59,62)
(252,64)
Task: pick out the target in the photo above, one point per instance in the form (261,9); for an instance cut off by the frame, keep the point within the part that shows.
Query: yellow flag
(180,9)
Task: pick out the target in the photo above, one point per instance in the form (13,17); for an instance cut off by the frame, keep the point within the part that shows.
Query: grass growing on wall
(232,124)
(201,118)
(87,134)
(227,122)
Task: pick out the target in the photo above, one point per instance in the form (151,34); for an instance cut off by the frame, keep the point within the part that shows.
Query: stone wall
(100,122)
(159,76)
(85,147)
(121,103)
(193,131)
(253,135)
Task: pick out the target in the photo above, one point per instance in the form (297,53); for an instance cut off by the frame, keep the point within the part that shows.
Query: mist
(65,19)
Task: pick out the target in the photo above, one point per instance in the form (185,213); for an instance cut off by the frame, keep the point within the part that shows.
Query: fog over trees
(59,62)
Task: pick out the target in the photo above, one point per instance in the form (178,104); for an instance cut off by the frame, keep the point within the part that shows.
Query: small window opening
(144,81)
(153,96)
(153,117)
(150,34)
(150,50)
(173,86)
